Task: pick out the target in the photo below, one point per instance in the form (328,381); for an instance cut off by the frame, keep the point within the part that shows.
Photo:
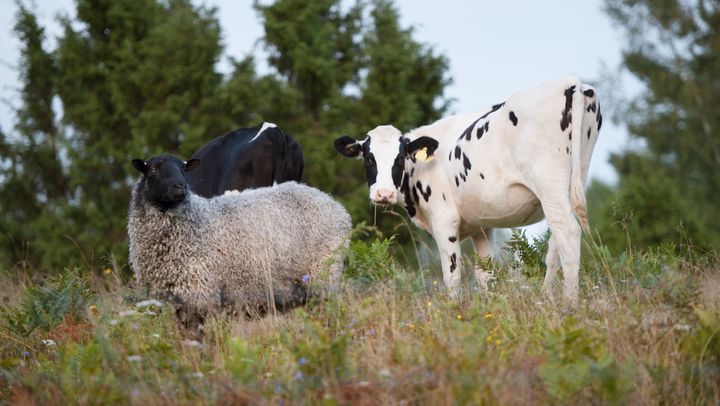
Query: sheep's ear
(140,165)
(192,164)
(348,146)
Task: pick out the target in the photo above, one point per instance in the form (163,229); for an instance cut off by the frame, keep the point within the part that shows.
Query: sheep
(253,250)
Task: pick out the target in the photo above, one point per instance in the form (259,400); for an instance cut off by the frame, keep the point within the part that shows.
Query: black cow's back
(239,160)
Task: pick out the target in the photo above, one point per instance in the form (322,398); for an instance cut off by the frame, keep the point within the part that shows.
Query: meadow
(646,331)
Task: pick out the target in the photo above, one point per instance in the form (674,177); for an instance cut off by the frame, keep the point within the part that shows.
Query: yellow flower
(107,271)
(93,310)
(488,316)
(489,339)
(498,341)
(459,317)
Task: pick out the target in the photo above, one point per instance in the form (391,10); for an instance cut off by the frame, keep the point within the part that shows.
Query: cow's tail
(577,187)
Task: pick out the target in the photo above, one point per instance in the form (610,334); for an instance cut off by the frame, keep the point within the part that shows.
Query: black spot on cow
(452,239)
(453,262)
(513,118)
(405,189)
(482,176)
(480,132)
(412,172)
(589,93)
(457,152)
(566,115)
(468,131)
(425,193)
(462,176)
(570,135)
(466,164)
(589,131)
(591,107)
(450,156)
(370,164)
(415,194)
(567,149)
(444,199)
(599,118)
(487,126)
(457,182)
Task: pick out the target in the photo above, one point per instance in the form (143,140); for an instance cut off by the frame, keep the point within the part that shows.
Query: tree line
(134,78)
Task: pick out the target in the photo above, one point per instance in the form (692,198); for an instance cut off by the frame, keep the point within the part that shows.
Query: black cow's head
(164,180)
(384,151)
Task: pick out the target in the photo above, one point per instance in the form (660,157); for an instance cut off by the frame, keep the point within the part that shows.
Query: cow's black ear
(423,142)
(192,164)
(140,165)
(348,146)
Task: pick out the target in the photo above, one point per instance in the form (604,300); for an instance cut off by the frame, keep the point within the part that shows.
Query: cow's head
(164,184)
(384,151)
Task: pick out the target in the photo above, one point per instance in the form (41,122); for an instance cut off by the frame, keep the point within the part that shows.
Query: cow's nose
(385,196)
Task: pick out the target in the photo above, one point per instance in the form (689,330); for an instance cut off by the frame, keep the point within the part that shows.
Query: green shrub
(46,306)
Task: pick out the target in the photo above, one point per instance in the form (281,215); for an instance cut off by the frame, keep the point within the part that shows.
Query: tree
(133,78)
(674,49)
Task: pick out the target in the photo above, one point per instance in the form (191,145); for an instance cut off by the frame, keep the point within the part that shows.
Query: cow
(507,166)
(246,158)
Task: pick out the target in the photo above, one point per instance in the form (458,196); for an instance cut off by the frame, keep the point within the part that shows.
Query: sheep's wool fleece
(232,248)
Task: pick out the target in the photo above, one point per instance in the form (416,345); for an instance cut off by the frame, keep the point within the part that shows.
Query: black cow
(246,158)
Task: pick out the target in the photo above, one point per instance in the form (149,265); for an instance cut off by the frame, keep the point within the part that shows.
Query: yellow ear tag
(421,155)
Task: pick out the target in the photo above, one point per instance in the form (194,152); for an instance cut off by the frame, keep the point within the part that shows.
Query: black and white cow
(246,158)
(507,166)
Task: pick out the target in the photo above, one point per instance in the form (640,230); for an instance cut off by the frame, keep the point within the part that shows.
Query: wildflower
(489,339)
(134,358)
(352,323)
(49,342)
(459,317)
(488,316)
(26,354)
(93,310)
(429,304)
(302,361)
(681,327)
(298,375)
(498,341)
(113,322)
(149,302)
(156,335)
(192,343)
(126,313)
(596,287)
(107,271)
(197,375)
(306,278)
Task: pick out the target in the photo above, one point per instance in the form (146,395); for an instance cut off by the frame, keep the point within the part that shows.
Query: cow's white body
(524,165)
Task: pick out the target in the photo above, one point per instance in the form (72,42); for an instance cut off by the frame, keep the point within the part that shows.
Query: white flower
(113,322)
(49,342)
(192,343)
(149,302)
(126,313)
(681,327)
(197,375)
(134,358)
(156,335)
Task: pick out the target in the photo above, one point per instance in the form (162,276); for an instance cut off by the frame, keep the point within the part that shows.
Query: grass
(647,331)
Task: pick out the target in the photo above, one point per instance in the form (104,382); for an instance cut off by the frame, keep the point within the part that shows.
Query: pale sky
(493,48)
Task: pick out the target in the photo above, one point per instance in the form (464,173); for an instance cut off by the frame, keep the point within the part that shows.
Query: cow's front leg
(482,242)
(448,242)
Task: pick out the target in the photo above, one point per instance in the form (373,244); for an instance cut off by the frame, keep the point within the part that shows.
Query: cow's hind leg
(552,263)
(566,233)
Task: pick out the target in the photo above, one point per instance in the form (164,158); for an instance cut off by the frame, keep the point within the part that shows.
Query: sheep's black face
(164,180)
